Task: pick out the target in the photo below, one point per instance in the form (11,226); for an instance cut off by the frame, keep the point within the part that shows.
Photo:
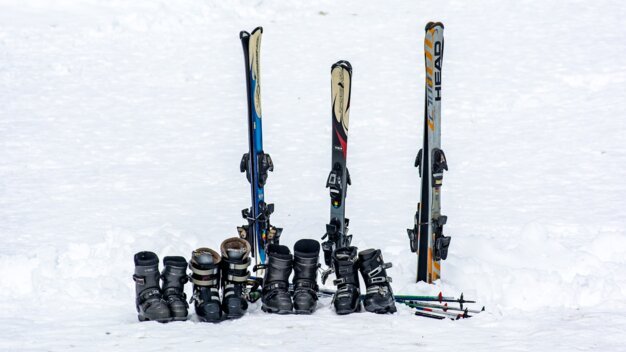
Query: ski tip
(345,64)
(245,34)
(432,25)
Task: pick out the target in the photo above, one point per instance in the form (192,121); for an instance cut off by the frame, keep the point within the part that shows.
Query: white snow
(123,123)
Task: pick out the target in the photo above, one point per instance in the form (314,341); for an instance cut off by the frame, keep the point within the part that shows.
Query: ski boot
(205,276)
(379,296)
(149,302)
(305,263)
(275,296)
(235,274)
(345,262)
(174,278)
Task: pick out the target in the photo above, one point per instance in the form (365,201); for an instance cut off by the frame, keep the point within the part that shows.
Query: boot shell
(305,264)
(149,301)
(275,295)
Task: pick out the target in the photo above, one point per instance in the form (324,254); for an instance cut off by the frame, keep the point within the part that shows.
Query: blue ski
(256,164)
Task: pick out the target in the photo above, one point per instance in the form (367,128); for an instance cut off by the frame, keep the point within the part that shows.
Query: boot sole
(205,320)
(276,311)
(143,318)
(349,311)
(382,310)
(233,316)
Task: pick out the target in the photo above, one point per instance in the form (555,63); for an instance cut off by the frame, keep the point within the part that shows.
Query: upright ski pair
(426,237)
(255,163)
(339,178)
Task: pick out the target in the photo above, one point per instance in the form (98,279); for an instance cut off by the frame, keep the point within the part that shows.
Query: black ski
(339,178)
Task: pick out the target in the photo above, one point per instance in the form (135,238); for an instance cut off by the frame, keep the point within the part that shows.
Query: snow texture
(123,122)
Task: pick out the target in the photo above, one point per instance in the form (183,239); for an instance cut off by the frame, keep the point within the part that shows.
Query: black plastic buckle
(140,280)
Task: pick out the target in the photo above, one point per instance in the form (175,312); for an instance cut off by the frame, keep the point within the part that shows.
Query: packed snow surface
(122,124)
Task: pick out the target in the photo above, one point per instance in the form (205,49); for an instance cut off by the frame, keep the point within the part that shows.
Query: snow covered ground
(122,126)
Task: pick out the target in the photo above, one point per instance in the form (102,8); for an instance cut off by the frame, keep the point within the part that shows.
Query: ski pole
(443,307)
(431,315)
(440,298)
(437,311)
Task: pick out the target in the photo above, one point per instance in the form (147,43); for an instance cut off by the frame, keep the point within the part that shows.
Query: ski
(430,315)
(339,178)
(255,163)
(443,307)
(455,316)
(426,237)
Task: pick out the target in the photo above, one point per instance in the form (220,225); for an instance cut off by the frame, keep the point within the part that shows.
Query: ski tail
(339,177)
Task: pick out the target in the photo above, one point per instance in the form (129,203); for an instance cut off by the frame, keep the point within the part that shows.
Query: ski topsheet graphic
(256,164)
(426,237)
(338,180)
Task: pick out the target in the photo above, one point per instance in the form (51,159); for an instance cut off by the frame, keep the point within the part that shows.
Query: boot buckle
(339,281)
(379,280)
(140,280)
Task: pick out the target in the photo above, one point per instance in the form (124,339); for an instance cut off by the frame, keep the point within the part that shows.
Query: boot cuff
(369,254)
(307,248)
(199,257)
(279,251)
(235,245)
(175,261)
(146,258)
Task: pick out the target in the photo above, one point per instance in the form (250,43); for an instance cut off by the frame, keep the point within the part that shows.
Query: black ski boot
(276,298)
(379,296)
(205,276)
(235,274)
(174,278)
(149,302)
(345,263)
(305,263)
